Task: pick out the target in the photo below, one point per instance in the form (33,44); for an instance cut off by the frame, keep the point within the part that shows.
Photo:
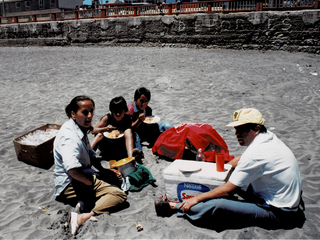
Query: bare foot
(81,218)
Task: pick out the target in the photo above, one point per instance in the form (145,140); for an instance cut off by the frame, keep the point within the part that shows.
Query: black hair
(142,91)
(73,106)
(118,103)
(253,126)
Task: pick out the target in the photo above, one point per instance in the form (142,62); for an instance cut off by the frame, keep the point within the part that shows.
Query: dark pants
(232,213)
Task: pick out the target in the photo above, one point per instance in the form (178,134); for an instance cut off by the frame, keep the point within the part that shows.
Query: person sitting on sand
(75,181)
(269,173)
(116,122)
(139,110)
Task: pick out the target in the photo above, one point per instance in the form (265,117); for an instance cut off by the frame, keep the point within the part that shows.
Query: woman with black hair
(75,181)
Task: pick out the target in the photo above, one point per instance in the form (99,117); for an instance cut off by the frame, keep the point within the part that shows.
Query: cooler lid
(196,169)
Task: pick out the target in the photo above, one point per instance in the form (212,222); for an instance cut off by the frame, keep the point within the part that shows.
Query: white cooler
(185,178)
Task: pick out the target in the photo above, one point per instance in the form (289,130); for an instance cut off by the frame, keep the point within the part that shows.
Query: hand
(90,178)
(116,172)
(186,205)
(142,117)
(109,128)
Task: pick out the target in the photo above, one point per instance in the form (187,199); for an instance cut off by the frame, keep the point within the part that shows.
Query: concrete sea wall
(287,31)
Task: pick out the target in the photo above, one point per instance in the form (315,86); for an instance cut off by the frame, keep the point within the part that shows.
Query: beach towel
(172,142)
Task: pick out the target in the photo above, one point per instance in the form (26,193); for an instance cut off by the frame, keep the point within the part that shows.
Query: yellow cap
(246,115)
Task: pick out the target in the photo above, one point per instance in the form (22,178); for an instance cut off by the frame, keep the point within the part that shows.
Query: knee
(220,208)
(121,199)
(121,195)
(116,198)
(220,203)
(99,136)
(165,126)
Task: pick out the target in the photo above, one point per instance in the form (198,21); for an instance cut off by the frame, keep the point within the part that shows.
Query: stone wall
(288,31)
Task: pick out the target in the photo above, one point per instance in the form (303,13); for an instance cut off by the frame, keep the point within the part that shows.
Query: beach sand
(187,85)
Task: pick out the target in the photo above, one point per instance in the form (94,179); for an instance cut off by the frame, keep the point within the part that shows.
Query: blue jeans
(222,213)
(163,126)
(137,142)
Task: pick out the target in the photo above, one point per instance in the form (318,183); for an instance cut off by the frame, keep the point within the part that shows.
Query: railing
(166,9)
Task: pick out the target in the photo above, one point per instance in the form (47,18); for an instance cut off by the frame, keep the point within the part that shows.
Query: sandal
(73,223)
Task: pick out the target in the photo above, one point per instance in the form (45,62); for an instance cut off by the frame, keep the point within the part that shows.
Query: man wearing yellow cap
(268,174)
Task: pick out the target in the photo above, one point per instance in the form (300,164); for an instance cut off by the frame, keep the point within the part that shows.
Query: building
(22,7)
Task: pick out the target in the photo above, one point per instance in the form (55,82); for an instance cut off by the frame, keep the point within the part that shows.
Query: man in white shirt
(268,174)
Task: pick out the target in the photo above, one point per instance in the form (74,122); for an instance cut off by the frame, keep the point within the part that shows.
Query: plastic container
(200,156)
(219,162)
(125,166)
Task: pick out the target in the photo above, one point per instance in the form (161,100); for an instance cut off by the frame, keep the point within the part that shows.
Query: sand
(187,85)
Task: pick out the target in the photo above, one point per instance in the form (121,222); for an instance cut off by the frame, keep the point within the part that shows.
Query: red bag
(171,143)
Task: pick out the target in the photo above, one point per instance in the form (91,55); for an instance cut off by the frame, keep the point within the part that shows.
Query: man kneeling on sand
(266,177)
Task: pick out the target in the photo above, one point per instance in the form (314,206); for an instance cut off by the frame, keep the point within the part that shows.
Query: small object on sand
(314,73)
(43,209)
(139,226)
(93,219)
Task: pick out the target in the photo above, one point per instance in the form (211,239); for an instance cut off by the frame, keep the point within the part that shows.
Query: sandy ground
(187,85)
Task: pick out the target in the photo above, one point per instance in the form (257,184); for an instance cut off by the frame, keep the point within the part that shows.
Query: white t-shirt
(71,150)
(272,170)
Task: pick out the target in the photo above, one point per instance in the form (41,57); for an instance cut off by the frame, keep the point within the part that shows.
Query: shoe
(162,207)
(73,223)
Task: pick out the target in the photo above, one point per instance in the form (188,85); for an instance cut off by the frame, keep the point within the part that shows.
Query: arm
(234,162)
(138,121)
(220,191)
(78,175)
(101,126)
(96,140)
(129,141)
(104,171)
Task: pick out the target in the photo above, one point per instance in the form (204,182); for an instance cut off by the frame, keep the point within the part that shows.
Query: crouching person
(267,171)
(75,181)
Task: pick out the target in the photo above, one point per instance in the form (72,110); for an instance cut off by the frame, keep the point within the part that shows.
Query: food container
(40,155)
(125,166)
(106,134)
(151,119)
